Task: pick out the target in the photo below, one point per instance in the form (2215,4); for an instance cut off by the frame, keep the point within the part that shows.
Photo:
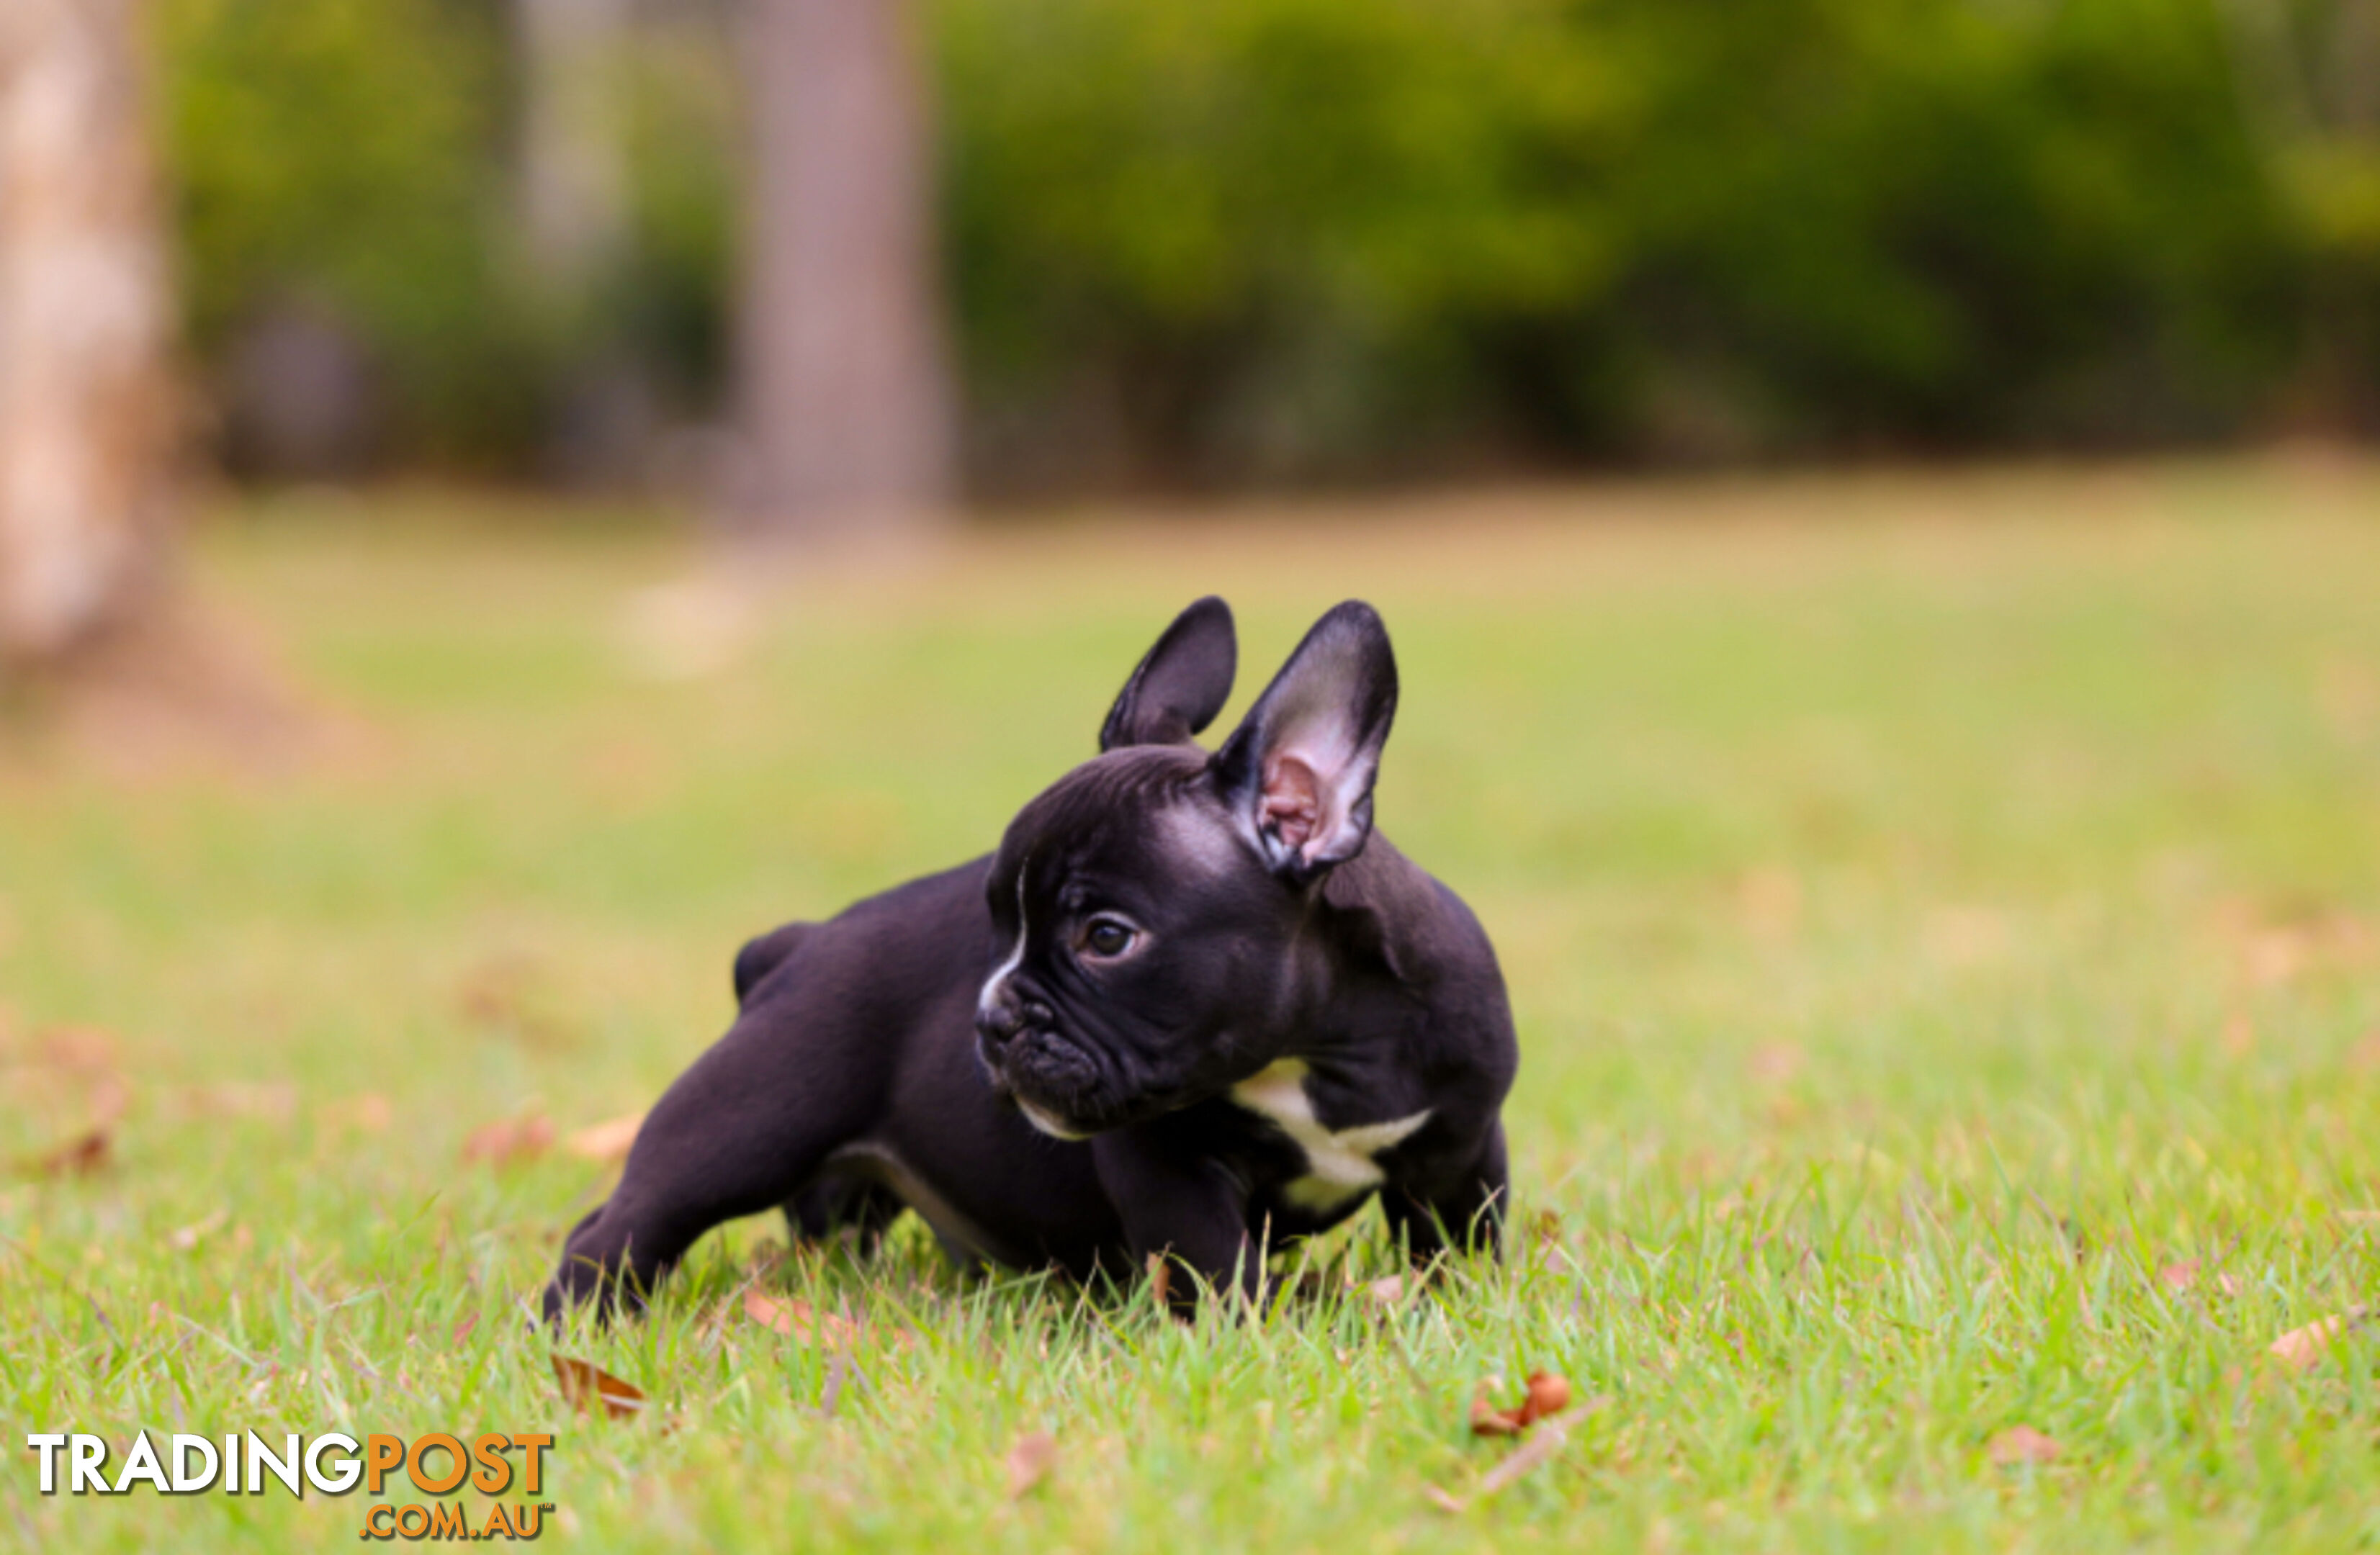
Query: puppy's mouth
(1049,1123)
(1058,1086)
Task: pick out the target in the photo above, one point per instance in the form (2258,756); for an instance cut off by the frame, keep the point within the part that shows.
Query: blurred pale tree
(86,408)
(575,59)
(847,402)
(574,174)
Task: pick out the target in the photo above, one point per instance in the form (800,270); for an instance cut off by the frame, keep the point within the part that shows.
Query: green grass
(1932,908)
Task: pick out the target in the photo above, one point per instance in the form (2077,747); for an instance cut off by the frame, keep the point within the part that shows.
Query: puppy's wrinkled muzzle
(1060,1088)
(998,1020)
(1003,1018)
(1027,1064)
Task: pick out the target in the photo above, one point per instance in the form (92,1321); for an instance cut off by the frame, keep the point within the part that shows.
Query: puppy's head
(1148,906)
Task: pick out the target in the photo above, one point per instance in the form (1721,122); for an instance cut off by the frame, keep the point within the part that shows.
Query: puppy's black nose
(999,1019)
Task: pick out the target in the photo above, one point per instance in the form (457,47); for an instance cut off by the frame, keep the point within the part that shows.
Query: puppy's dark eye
(1106,937)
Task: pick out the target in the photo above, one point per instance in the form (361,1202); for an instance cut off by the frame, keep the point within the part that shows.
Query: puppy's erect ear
(1299,768)
(1181,685)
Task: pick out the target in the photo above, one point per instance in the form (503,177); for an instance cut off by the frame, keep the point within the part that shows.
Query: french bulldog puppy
(1193,1006)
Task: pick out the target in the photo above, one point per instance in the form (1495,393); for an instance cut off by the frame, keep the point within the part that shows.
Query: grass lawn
(1942,913)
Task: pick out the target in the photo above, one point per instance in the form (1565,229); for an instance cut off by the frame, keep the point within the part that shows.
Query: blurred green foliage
(1204,241)
(344,155)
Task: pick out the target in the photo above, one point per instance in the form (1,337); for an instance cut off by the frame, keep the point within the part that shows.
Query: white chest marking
(1338,1162)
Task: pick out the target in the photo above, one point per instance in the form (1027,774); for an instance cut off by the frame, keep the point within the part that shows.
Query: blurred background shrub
(336,165)
(1205,243)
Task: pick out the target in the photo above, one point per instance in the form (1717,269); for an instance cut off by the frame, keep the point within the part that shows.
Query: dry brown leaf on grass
(2023,1444)
(88,1151)
(1533,1454)
(1486,1419)
(1548,1396)
(2184,1276)
(608,1141)
(1160,1279)
(1029,1462)
(798,1320)
(590,1387)
(93,1149)
(509,1140)
(2301,1348)
(69,1060)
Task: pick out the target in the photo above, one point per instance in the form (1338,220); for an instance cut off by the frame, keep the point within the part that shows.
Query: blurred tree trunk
(576,213)
(87,407)
(574,186)
(847,402)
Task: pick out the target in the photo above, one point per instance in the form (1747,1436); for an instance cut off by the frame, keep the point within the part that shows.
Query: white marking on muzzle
(983,1001)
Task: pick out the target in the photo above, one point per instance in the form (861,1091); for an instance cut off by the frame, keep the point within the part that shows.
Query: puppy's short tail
(762,956)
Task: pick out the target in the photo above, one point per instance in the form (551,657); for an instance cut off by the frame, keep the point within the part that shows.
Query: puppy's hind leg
(738,1133)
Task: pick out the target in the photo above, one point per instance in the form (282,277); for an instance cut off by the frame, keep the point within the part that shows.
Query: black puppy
(1186,1009)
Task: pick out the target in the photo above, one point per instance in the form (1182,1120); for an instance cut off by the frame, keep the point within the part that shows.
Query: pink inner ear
(1292,801)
